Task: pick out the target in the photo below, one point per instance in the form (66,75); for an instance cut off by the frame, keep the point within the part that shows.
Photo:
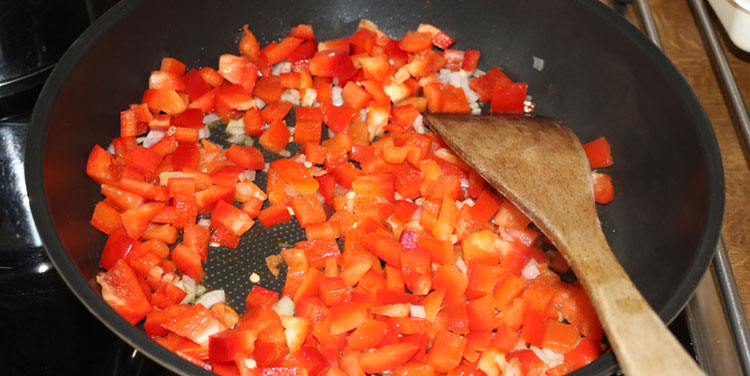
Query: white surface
(735,18)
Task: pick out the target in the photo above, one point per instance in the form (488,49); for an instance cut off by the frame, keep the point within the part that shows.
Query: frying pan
(600,76)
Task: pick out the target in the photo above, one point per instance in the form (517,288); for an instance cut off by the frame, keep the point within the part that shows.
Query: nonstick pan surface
(600,76)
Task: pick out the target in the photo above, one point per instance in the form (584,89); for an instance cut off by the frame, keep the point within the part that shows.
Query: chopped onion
(550,357)
(237,139)
(417,311)
(530,271)
(235,127)
(461,265)
(204,132)
(292,96)
(309,98)
(153,137)
(285,306)
(259,102)
(419,124)
(336,97)
(111,149)
(538,63)
(210,118)
(187,284)
(212,297)
(205,222)
(249,175)
(200,289)
(285,153)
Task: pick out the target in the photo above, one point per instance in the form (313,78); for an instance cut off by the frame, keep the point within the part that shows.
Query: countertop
(683,44)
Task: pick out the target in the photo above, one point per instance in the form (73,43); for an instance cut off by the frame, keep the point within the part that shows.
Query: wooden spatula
(540,166)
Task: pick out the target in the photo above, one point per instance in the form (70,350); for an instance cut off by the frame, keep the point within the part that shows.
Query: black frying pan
(601,76)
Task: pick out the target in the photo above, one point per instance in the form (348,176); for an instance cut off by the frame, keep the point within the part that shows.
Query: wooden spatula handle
(641,341)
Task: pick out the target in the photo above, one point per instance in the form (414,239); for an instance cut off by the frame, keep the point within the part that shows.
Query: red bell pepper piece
(230,218)
(388,357)
(509,98)
(274,215)
(238,70)
(604,192)
(188,261)
(122,290)
(165,100)
(276,137)
(446,351)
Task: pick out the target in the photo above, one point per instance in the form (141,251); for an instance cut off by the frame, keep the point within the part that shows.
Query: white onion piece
(205,222)
(249,175)
(210,118)
(336,97)
(538,63)
(285,306)
(531,271)
(153,137)
(212,297)
(200,289)
(204,132)
(259,102)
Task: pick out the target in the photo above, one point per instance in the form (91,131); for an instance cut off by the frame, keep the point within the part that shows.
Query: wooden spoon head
(537,163)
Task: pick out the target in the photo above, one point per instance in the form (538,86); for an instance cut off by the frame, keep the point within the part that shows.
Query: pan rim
(93,302)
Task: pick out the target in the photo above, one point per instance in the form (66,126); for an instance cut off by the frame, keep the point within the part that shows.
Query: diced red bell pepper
(415,41)
(196,237)
(225,239)
(230,218)
(387,249)
(195,85)
(101,166)
(187,156)
(275,111)
(485,84)
(118,245)
(367,335)
(121,289)
(167,295)
(584,353)
(227,345)
(261,297)
(172,65)
(308,210)
(283,49)
(297,175)
(136,219)
(196,324)
(509,98)
(246,156)
(451,279)
(248,44)
(188,261)
(238,70)
(337,117)
(269,89)
(598,152)
(355,96)
(190,118)
(207,198)
(253,122)
(165,100)
(346,316)
(332,63)
(471,58)
(304,52)
(446,351)
(485,207)
(388,357)
(106,218)
(333,290)
(345,173)
(604,192)
(276,137)
(144,159)
(274,215)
